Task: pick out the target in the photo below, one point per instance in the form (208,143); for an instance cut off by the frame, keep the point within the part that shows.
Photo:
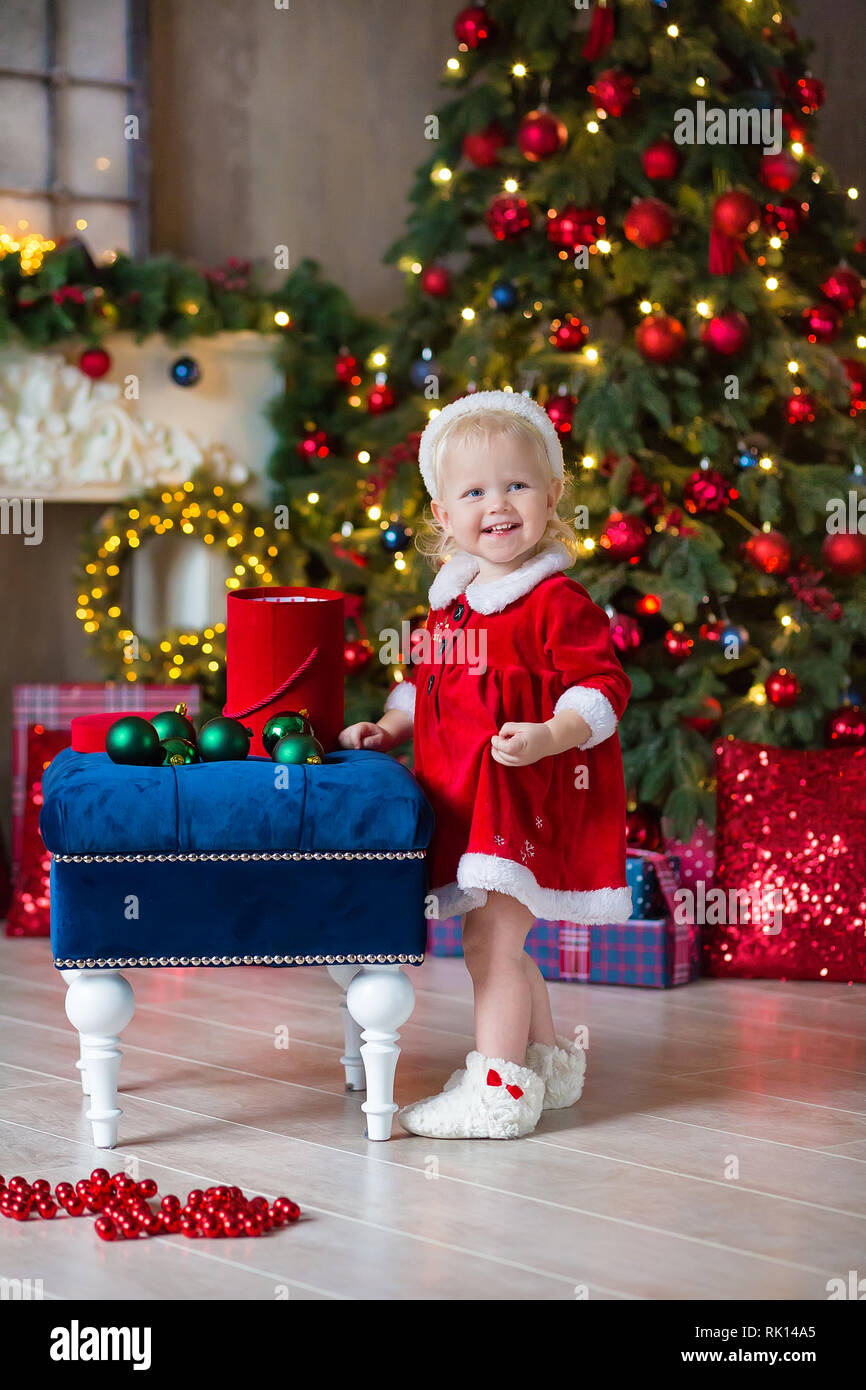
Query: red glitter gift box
(791,862)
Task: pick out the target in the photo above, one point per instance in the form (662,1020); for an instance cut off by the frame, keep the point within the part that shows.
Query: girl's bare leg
(493,940)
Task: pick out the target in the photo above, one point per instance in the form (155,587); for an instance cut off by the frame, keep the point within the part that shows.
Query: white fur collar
(456,577)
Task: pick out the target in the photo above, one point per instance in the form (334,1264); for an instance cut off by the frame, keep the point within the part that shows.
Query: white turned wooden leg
(69,976)
(100,1003)
(351,1060)
(380,999)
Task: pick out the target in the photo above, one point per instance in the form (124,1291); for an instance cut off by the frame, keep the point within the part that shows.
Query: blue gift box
(647,898)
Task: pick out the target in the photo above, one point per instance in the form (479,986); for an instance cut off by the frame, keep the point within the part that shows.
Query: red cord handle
(275,695)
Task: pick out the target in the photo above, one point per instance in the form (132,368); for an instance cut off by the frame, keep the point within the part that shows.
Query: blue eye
(474,492)
(518,484)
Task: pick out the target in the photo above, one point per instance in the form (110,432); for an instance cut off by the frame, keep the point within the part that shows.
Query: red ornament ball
(809,94)
(661,160)
(856,374)
(436,280)
(726,333)
(783,688)
(561,410)
(736,214)
(660,338)
(357,654)
(822,323)
(569,333)
(346,368)
(573,226)
(648,222)
(625,632)
(707,719)
(779,171)
(624,537)
(707,490)
(678,644)
(95,362)
(380,399)
(800,408)
(541,134)
(482,148)
(768,551)
(844,552)
(846,727)
(474,26)
(613,92)
(843,288)
(314,444)
(643,827)
(508,216)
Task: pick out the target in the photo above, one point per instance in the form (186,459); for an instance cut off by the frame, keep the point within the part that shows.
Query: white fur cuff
(402,697)
(592,706)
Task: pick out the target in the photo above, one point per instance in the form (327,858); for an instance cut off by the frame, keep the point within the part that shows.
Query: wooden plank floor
(719,1150)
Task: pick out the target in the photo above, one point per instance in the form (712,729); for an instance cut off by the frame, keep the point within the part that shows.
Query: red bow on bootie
(494,1079)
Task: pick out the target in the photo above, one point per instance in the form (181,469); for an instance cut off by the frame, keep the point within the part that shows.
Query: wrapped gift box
(647,895)
(655,954)
(695,857)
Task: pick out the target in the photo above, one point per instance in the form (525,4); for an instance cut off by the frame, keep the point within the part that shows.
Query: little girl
(516,748)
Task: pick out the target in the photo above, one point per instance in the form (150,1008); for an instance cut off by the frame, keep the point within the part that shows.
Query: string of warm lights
(30,245)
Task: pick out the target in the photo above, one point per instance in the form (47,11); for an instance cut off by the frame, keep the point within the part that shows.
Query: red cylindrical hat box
(284,651)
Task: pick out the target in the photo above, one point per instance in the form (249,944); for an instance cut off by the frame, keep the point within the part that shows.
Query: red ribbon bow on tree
(494,1079)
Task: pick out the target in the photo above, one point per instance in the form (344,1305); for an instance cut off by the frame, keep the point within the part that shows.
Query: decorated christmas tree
(622,212)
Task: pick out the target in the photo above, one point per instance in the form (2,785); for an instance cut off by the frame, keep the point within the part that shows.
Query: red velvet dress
(552,834)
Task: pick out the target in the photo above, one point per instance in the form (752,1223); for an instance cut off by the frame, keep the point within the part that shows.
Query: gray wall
(302,127)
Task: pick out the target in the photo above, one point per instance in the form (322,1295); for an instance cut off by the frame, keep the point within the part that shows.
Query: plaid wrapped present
(656,954)
(55,706)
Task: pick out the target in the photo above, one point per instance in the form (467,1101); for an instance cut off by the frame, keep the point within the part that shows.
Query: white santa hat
(513,402)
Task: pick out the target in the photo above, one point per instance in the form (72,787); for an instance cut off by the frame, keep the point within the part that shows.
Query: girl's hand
(366,735)
(518,745)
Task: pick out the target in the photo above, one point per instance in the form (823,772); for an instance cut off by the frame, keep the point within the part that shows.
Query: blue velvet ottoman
(231,864)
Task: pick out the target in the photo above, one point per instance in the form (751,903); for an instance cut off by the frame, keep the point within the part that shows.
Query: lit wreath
(212,512)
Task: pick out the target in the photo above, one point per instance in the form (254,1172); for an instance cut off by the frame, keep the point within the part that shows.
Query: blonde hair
(480,427)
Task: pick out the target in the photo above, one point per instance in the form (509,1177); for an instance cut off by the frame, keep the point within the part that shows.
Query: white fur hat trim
(514,402)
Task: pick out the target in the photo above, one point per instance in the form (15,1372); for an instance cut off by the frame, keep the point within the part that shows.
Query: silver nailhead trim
(117,962)
(244,858)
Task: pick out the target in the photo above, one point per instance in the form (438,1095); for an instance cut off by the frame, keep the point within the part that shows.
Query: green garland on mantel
(69,300)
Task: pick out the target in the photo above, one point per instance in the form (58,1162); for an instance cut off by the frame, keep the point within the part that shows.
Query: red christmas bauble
(482,148)
(561,410)
(726,333)
(474,26)
(573,226)
(844,552)
(809,94)
(648,222)
(357,654)
(711,713)
(643,827)
(540,134)
(779,171)
(625,632)
(800,408)
(436,280)
(661,160)
(846,727)
(568,333)
(314,444)
(613,91)
(784,216)
(508,216)
(707,491)
(782,688)
(95,362)
(844,288)
(625,536)
(856,374)
(712,632)
(678,644)
(346,368)
(768,551)
(380,399)
(822,323)
(660,338)
(736,214)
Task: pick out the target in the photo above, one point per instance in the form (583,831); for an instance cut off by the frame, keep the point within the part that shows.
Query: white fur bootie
(493,1099)
(562,1069)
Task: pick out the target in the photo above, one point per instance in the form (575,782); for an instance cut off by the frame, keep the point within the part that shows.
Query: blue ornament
(421,370)
(185,371)
(396,537)
(503,295)
(733,631)
(848,695)
(748,458)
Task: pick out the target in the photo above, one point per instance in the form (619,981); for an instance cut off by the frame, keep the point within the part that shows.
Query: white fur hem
(478,874)
(592,706)
(457,576)
(402,697)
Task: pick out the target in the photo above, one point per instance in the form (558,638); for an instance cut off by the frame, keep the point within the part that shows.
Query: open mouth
(501,528)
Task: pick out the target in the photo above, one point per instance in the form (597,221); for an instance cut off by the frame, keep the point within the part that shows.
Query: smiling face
(497,497)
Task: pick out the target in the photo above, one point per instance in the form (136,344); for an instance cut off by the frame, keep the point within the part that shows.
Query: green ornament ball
(286,722)
(133,741)
(178,752)
(298,748)
(173,723)
(224,740)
